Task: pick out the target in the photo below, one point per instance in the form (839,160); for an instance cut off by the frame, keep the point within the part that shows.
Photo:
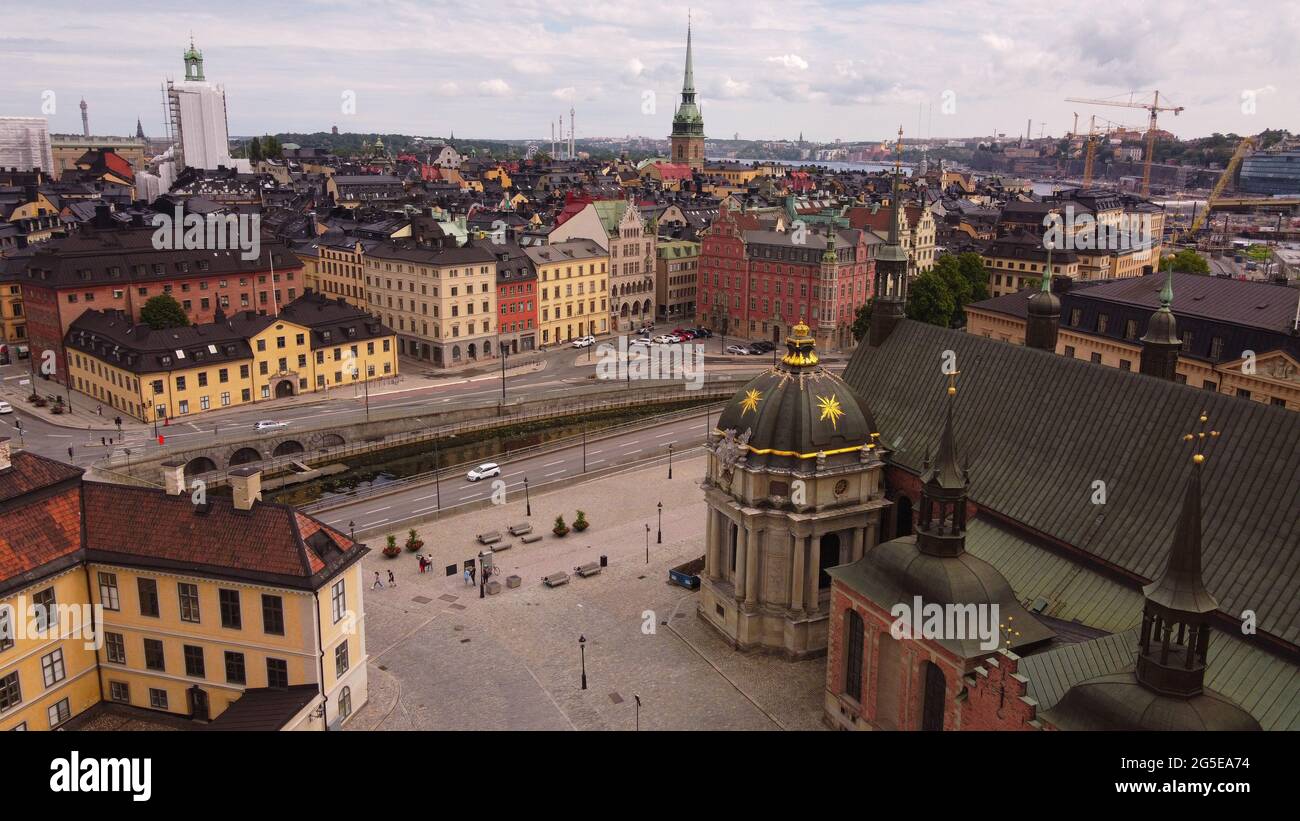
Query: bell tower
(687,140)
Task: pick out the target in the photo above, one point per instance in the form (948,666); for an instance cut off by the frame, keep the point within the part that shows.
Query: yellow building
(13,322)
(314,344)
(245,614)
(572,289)
(336,270)
(1017,262)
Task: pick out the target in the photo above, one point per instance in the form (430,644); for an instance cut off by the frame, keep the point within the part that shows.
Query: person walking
(421,558)
(469,580)
(378,585)
(392,581)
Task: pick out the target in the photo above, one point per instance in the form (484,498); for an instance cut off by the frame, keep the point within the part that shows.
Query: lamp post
(528,503)
(584,449)
(659,539)
(484,567)
(637,699)
(582,650)
(647,543)
(670,460)
(352,526)
(503,353)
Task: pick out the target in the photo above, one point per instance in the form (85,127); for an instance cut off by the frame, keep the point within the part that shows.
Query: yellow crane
(1242,147)
(1153,108)
(1090,145)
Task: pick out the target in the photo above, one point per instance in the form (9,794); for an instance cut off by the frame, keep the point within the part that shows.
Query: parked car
(484,471)
(737,349)
(762,346)
(269,424)
(703,333)
(641,340)
(666,339)
(584,341)
(5,407)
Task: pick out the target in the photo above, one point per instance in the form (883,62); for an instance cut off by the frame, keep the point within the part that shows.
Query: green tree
(1186,261)
(255,150)
(930,300)
(862,321)
(163,311)
(271,148)
(972,268)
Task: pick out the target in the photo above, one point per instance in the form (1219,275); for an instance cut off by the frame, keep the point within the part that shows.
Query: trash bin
(604,561)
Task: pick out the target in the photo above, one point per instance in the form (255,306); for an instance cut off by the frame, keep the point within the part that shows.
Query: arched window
(345,703)
(853,655)
(936,692)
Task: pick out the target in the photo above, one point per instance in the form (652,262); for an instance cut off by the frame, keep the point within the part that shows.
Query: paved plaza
(441,658)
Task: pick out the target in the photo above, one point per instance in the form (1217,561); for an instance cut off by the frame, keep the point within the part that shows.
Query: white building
(25,144)
(198,112)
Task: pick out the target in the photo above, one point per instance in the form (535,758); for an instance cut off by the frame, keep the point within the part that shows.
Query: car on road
(269,424)
(737,349)
(584,341)
(5,407)
(484,471)
(641,340)
(703,333)
(667,339)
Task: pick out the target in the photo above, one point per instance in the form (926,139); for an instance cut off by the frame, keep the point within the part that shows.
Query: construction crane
(1153,108)
(1242,147)
(1090,149)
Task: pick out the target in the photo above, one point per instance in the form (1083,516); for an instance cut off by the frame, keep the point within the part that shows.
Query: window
(108,591)
(148,596)
(153,655)
(1102,321)
(1242,393)
(1216,348)
(119,691)
(235,668)
(11,693)
(115,647)
(1125,365)
(1210,386)
(230,616)
(58,713)
(6,629)
(277,673)
(345,702)
(52,668)
(45,609)
(338,600)
(157,698)
(853,660)
(1130,329)
(193,661)
(341,659)
(272,615)
(1095,359)
(189,598)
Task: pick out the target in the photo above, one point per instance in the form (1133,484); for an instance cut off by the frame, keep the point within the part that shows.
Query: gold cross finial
(952,383)
(1009,632)
(1201,438)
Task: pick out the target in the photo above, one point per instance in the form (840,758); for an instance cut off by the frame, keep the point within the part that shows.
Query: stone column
(857,544)
(814,562)
(713,555)
(742,557)
(751,567)
(797,557)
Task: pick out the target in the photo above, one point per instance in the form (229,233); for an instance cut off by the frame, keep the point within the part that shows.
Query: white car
(737,349)
(5,407)
(584,341)
(640,340)
(484,471)
(666,339)
(268,424)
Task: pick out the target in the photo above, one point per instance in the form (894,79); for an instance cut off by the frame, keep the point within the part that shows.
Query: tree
(972,268)
(930,300)
(862,321)
(271,148)
(163,311)
(254,150)
(1186,261)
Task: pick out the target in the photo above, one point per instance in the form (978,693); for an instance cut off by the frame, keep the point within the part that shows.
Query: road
(391,512)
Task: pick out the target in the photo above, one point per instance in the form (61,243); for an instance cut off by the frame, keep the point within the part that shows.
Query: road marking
(59,435)
(662,435)
(376,510)
(423,509)
(556,473)
(593,452)
(553,464)
(372,524)
(596,461)
(697,427)
(630,452)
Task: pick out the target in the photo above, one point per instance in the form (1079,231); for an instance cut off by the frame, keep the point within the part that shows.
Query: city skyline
(828,69)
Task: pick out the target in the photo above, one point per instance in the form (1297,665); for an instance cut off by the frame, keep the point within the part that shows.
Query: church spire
(688,81)
(1160,344)
(1175,633)
(889,291)
(1043,324)
(941,530)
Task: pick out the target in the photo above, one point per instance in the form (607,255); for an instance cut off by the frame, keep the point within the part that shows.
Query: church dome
(1119,702)
(797,412)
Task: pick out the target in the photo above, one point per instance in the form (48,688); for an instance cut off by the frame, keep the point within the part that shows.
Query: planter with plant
(560,529)
(580,522)
(391,549)
(413,541)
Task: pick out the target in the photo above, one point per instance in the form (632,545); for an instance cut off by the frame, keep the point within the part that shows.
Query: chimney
(6,460)
(174,477)
(246,486)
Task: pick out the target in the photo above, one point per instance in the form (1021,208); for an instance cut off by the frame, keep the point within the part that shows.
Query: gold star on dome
(750,402)
(830,408)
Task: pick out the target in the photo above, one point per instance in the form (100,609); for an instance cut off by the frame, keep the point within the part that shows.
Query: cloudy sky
(765,69)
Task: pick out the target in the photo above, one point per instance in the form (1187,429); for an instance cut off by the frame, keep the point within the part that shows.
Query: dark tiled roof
(40,519)
(264,709)
(29,472)
(1040,429)
(112,337)
(270,543)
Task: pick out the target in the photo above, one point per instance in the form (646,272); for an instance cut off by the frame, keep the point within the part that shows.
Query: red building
(758,283)
(516,299)
(119,268)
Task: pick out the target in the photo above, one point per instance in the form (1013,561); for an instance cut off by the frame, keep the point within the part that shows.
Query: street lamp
(485,566)
(670,460)
(528,503)
(504,355)
(584,449)
(352,526)
(659,539)
(647,544)
(437,463)
(582,650)
(637,699)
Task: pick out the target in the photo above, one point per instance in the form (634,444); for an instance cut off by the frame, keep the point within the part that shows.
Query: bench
(589,569)
(520,529)
(556,579)
(493,587)
(513,581)
(497,547)
(489,537)
(536,537)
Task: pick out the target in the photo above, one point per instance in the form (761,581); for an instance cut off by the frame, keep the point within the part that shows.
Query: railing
(532,450)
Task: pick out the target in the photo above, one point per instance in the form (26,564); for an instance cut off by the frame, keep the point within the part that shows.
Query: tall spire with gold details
(890,289)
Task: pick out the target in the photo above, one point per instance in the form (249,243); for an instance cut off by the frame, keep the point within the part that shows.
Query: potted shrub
(41,401)
(580,522)
(413,541)
(391,549)
(35,397)
(560,529)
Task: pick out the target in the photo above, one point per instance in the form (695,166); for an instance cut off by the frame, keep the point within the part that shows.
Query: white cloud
(568,94)
(527,66)
(494,88)
(793,61)
(447,88)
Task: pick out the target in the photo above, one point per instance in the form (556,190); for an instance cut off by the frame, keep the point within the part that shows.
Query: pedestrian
(468,580)
(99,409)
(102,441)
(378,585)
(392,582)
(421,558)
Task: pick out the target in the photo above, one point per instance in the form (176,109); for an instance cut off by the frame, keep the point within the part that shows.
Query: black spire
(1044,322)
(1161,344)
(941,530)
(890,291)
(1176,614)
